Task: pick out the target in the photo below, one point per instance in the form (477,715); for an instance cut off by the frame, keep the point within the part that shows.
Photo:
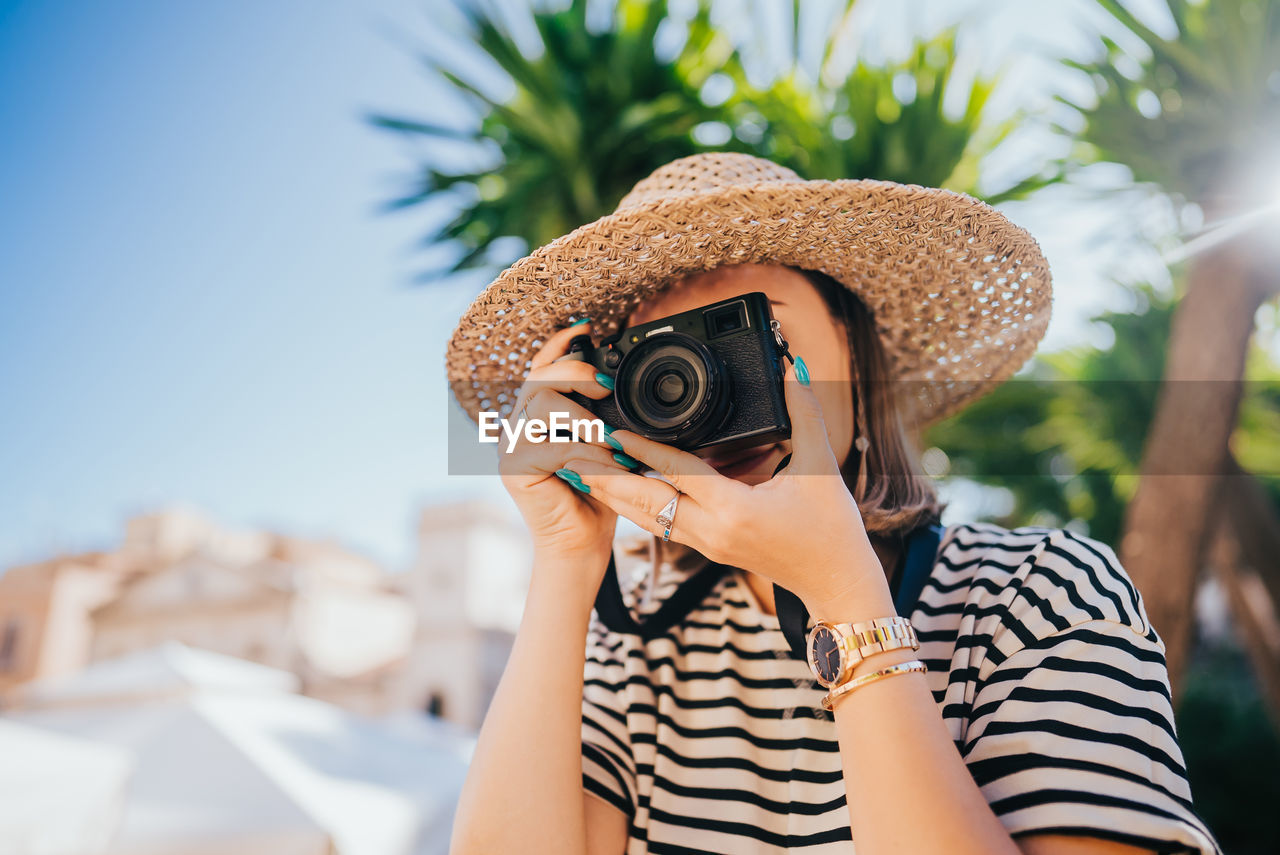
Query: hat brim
(961,296)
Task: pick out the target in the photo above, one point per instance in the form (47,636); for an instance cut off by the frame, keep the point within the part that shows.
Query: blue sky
(199,302)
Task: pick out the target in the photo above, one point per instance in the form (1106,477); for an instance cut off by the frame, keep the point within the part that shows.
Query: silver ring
(667,517)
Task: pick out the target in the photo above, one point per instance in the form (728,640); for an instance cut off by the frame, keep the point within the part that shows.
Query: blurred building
(47,625)
(467,586)
(45,608)
(433,639)
(314,608)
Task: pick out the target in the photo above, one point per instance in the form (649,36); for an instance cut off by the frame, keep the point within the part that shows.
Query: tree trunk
(1246,562)
(1167,523)
(1256,524)
(1252,607)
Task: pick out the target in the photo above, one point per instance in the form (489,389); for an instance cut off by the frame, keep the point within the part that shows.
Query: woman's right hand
(568,527)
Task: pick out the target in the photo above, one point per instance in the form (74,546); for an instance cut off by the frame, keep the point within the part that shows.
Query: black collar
(915,563)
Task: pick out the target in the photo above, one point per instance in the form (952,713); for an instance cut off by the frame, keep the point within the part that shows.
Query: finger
(568,376)
(641,499)
(687,472)
(549,417)
(810,447)
(557,345)
(544,402)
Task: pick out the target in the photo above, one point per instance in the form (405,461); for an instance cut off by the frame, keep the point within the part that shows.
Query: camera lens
(672,388)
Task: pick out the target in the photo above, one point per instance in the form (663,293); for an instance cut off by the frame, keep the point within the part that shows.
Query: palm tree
(882,121)
(591,116)
(597,111)
(1196,115)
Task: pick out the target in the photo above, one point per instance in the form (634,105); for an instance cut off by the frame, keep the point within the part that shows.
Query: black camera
(707,377)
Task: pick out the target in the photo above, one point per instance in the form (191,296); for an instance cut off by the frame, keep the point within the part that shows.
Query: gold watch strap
(878,635)
(829,699)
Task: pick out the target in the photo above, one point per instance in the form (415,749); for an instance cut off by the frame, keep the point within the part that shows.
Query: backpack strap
(922,554)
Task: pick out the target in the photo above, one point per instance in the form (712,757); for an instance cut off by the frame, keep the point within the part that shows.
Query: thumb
(810,449)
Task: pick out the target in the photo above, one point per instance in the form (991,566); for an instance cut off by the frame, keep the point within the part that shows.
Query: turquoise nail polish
(569,475)
(580,487)
(802,372)
(608,437)
(626,460)
(580,321)
(605,380)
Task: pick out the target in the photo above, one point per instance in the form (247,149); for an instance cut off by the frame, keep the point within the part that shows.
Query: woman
(1023,704)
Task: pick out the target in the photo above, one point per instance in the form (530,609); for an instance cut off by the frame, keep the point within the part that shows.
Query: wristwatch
(835,649)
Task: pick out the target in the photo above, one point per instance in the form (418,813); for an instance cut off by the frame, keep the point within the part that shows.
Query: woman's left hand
(801,529)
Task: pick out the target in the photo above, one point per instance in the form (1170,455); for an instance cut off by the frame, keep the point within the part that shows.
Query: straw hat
(960,295)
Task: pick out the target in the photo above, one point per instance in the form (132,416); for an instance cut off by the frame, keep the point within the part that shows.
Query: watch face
(826,654)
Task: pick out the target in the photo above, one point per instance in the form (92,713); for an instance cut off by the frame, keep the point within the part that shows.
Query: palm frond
(1203,104)
(594,112)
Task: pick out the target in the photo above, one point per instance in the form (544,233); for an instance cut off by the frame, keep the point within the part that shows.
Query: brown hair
(895,496)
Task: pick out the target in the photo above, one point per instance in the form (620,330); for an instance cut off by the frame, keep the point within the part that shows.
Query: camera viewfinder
(724,320)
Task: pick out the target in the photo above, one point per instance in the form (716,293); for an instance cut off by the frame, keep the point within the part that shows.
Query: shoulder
(1039,580)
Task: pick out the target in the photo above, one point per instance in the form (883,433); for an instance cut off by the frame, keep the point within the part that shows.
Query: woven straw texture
(960,295)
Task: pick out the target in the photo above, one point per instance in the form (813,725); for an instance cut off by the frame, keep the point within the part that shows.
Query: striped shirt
(1048,676)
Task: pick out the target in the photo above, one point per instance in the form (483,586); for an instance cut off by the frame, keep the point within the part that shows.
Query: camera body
(706,378)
